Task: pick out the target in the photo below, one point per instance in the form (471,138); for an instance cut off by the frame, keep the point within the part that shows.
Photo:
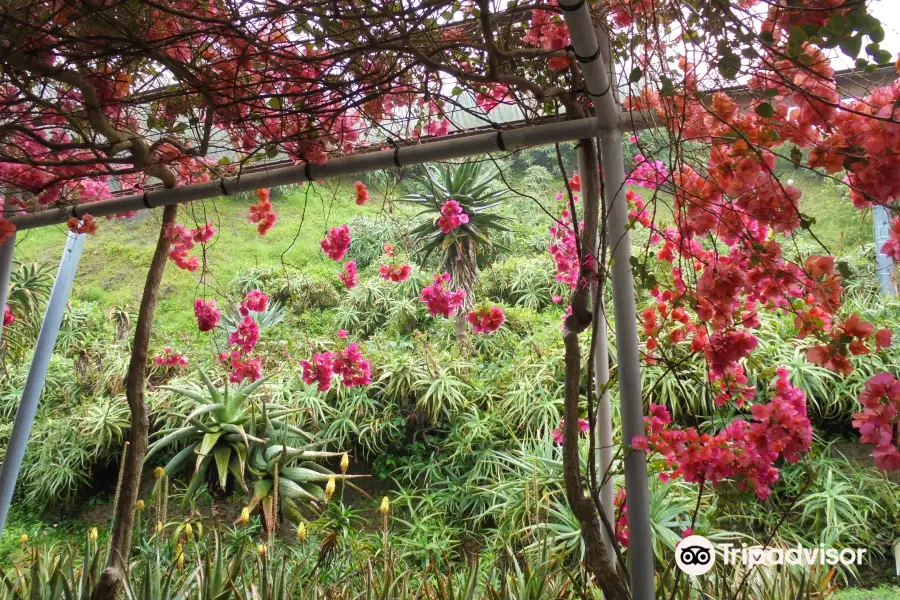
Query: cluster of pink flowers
(183,240)
(348,363)
(336,242)
(452,216)
(241,366)
(171,358)
(557,434)
(846,340)
(647,173)
(394,272)
(745,450)
(9,316)
(564,250)
(262,213)
(207,313)
(246,336)
(621,504)
(486,319)
(493,95)
(438,128)
(244,339)
(349,275)
(362,193)
(441,301)
(84,225)
(547,30)
(879,418)
(255,301)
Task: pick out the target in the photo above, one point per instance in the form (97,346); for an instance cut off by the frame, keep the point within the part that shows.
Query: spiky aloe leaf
(175,436)
(222,454)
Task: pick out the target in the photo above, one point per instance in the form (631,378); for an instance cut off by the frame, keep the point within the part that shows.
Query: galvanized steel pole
(599,85)
(34,384)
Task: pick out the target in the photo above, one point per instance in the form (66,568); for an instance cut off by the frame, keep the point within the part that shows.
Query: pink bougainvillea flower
(183,240)
(389,250)
(85,225)
(349,275)
(880,418)
(362,193)
(262,213)
(557,434)
(8,316)
(441,301)
(486,319)
(242,367)
(255,301)
(171,358)
(395,273)
(318,370)
(350,365)
(452,216)
(246,336)
(207,313)
(343,333)
(883,339)
(336,242)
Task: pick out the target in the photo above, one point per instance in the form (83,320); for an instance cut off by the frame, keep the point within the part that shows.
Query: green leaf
(851,45)
(668,88)
(222,455)
(730,66)
(636,74)
(209,442)
(765,110)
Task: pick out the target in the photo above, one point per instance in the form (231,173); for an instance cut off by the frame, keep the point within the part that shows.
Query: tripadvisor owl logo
(695,555)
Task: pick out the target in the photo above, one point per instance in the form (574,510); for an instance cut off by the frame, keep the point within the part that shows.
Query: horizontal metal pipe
(503,140)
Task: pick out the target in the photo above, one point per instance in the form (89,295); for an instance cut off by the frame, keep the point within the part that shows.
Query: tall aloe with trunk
(465,249)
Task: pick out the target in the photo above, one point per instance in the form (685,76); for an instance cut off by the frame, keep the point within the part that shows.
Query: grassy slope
(114,263)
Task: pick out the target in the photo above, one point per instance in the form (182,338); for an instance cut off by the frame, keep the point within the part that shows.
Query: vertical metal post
(34,385)
(599,78)
(604,422)
(884,263)
(630,393)
(6,260)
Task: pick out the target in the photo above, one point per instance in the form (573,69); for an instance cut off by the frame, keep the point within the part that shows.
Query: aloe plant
(216,435)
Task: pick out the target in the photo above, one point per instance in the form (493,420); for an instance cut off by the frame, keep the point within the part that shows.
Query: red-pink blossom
(452,216)
(171,358)
(349,275)
(880,419)
(336,242)
(557,434)
(318,370)
(350,365)
(441,301)
(362,193)
(246,336)
(255,301)
(395,273)
(262,213)
(486,319)
(207,314)
(8,316)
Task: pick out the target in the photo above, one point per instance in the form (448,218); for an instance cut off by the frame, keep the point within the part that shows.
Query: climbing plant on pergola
(145,94)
